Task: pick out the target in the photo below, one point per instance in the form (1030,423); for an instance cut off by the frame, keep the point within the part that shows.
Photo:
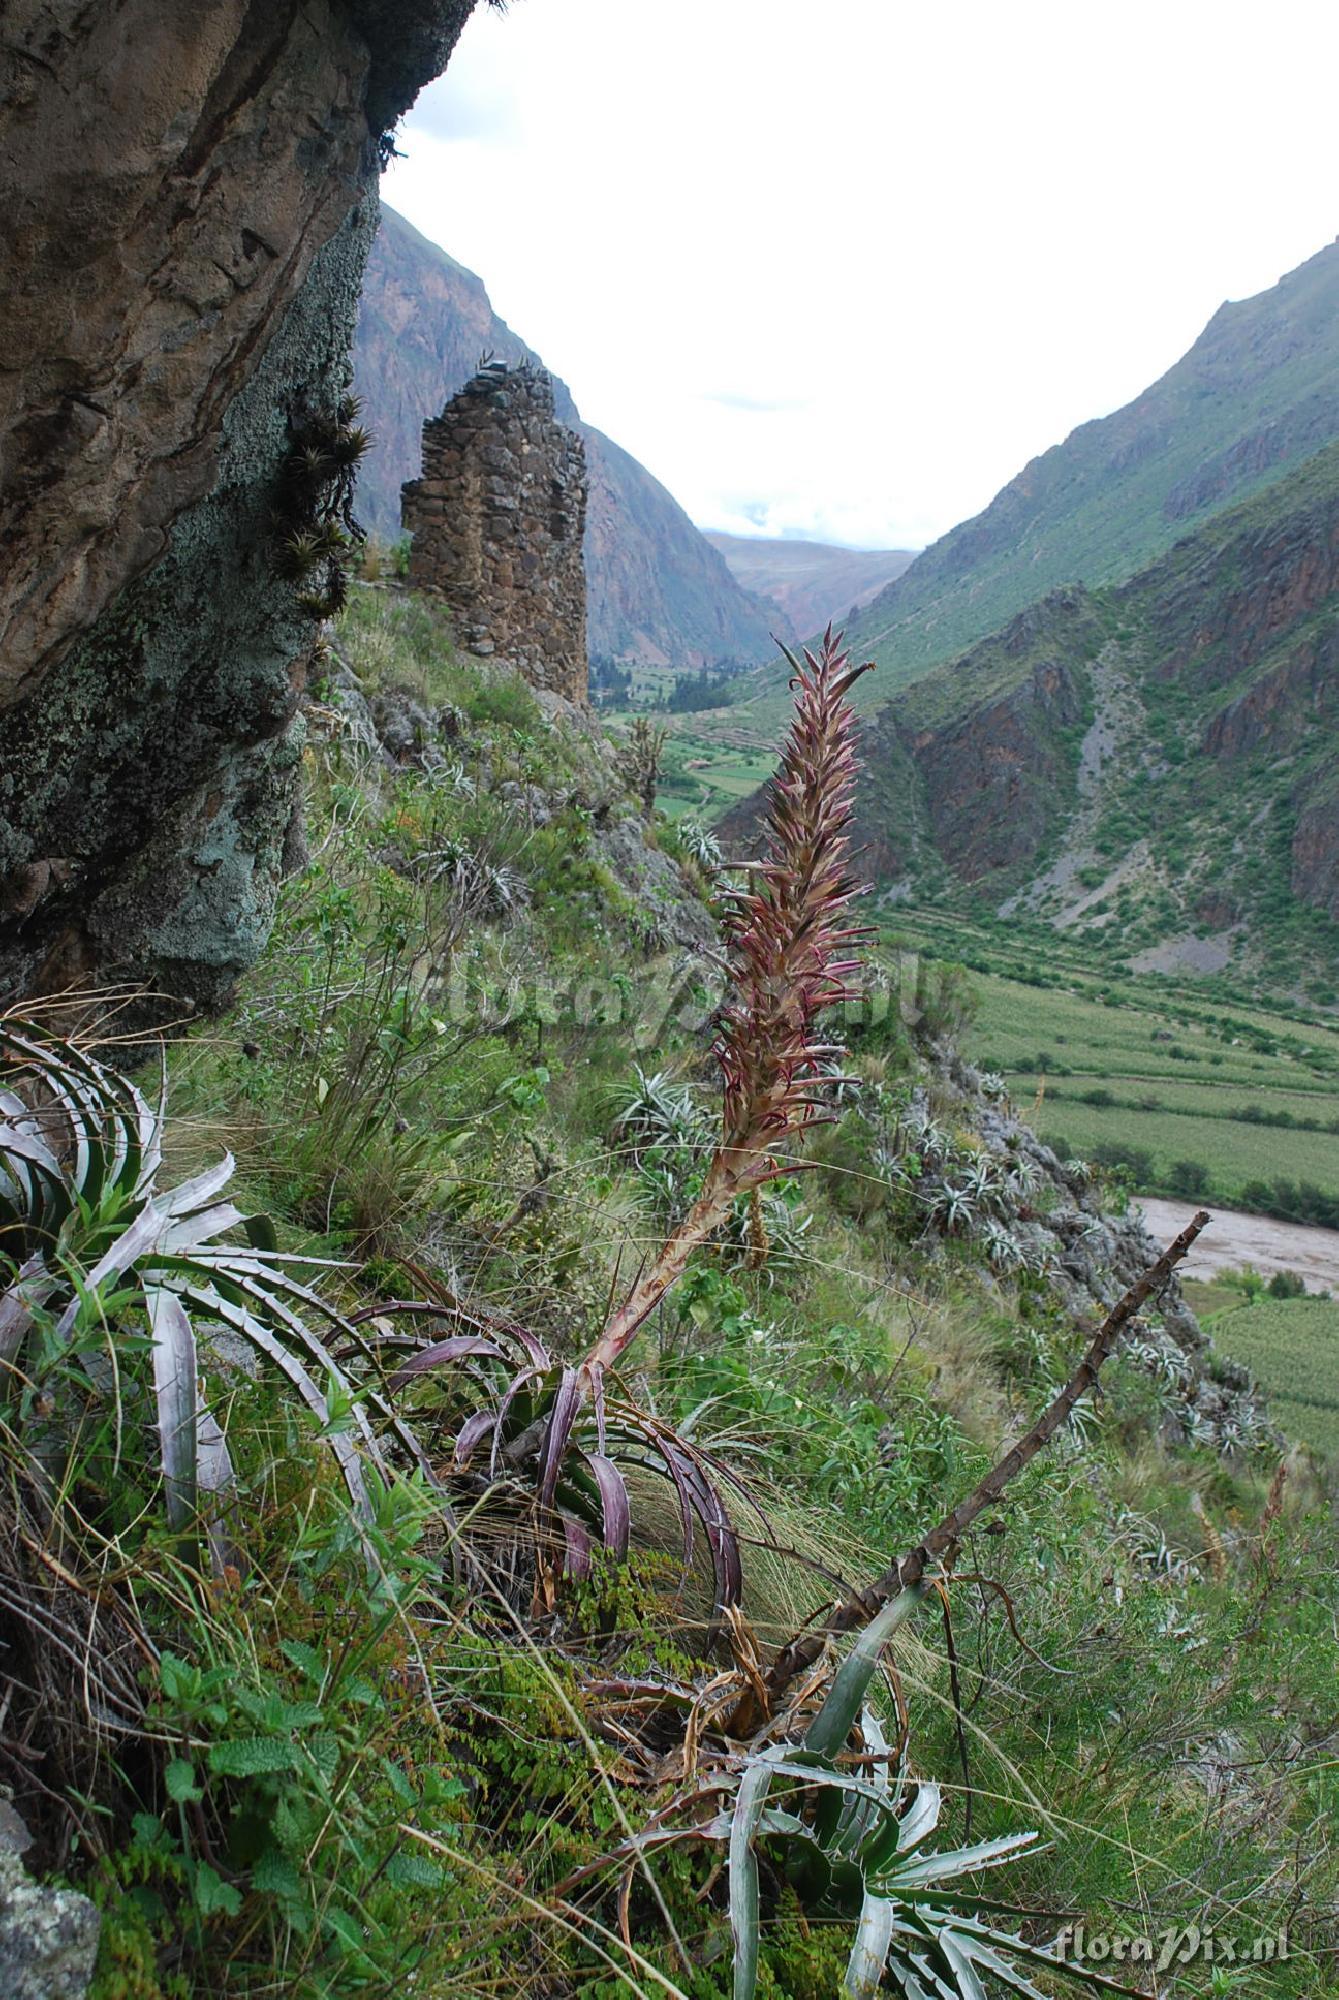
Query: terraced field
(705,778)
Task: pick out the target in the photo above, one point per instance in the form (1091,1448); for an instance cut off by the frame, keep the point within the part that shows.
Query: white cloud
(840,272)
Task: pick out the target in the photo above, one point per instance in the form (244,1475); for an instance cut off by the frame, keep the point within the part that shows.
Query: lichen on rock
(153,655)
(48,1937)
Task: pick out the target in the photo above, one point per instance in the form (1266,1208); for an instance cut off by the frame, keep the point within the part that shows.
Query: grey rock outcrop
(48,1937)
(190,195)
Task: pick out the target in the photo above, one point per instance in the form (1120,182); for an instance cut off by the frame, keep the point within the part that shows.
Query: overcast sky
(839,270)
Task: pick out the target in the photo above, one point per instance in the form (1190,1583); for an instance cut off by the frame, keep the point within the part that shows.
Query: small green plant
(638,762)
(701,846)
(316,531)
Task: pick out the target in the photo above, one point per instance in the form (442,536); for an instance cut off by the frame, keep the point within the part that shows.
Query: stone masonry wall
(498,518)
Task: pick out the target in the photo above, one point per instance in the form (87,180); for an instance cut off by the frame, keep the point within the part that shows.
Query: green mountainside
(1148,766)
(660,595)
(1257,392)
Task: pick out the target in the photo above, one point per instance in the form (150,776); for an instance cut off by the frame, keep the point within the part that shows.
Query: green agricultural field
(1232,1154)
(1292,1346)
(705,778)
(1165,1072)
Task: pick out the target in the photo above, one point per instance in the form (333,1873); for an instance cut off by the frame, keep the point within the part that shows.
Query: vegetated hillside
(389,1740)
(1258,391)
(659,594)
(812,583)
(1150,767)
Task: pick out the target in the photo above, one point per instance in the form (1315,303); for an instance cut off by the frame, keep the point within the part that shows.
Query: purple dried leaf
(457,1348)
(472,1432)
(557,1436)
(514,1388)
(578,1548)
(615,1506)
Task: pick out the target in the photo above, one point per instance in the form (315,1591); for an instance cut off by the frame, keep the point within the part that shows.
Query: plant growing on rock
(639,760)
(315,526)
(701,846)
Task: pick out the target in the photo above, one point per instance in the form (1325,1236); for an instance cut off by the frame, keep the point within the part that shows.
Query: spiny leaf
(869,1953)
(749,1802)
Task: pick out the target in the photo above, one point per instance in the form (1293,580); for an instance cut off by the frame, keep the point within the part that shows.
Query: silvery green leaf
(744,1920)
(869,1952)
(835,1720)
(215,1478)
(132,1244)
(197,1193)
(176,1396)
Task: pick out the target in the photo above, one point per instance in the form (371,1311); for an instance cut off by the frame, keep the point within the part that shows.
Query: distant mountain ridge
(1153,764)
(659,594)
(1257,392)
(810,582)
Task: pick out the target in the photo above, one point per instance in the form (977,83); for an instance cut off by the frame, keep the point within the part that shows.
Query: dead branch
(904,1574)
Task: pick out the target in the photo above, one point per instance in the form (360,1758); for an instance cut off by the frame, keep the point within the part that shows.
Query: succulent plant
(90,1237)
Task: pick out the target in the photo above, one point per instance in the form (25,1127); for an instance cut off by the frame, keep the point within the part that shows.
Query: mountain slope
(659,594)
(1151,764)
(1258,392)
(810,582)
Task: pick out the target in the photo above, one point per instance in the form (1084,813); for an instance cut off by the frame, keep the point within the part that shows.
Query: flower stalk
(790,949)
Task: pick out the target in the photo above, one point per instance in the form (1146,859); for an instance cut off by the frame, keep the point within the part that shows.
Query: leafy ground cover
(376,1753)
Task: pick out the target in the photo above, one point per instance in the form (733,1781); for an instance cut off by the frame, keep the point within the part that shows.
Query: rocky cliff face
(990,778)
(657,593)
(970,767)
(1315,845)
(191,194)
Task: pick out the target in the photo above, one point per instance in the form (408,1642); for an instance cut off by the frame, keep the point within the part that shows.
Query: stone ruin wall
(498,520)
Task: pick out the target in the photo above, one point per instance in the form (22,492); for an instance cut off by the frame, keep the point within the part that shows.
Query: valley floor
(1233,1239)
